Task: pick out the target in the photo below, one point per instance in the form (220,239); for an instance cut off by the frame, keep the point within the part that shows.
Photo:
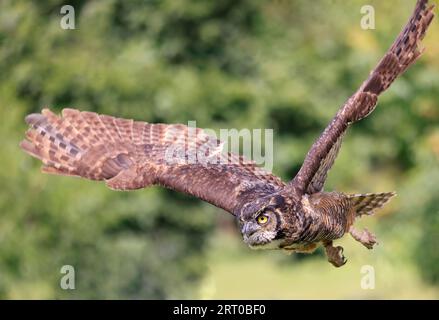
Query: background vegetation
(286,65)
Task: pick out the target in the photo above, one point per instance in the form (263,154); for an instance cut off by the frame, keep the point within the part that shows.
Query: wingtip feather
(34,118)
(30,148)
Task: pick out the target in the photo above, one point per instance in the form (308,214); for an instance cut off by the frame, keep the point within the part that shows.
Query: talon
(335,255)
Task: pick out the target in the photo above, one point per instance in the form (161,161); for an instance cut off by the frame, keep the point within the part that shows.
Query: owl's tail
(367,203)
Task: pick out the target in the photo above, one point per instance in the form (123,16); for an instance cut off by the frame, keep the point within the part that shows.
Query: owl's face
(261,222)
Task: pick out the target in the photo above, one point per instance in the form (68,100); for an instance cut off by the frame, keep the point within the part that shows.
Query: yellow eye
(262,219)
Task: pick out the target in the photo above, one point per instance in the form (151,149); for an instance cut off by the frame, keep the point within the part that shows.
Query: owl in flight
(297,216)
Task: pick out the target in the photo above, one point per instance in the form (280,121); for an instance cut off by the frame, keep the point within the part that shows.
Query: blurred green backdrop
(286,65)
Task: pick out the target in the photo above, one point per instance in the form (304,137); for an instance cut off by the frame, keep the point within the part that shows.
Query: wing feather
(129,155)
(403,53)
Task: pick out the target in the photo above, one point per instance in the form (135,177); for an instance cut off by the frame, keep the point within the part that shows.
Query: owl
(294,216)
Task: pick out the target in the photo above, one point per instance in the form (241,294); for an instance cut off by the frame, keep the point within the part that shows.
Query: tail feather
(366,204)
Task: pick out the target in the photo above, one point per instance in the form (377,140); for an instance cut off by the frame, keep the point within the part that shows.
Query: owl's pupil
(262,219)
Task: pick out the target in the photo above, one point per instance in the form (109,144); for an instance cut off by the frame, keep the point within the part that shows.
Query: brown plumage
(297,216)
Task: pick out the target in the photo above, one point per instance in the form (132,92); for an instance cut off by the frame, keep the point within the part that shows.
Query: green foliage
(279,64)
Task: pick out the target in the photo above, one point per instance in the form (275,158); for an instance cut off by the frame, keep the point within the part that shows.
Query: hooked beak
(248,229)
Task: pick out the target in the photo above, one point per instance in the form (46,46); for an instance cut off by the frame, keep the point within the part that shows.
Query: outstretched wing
(129,155)
(403,52)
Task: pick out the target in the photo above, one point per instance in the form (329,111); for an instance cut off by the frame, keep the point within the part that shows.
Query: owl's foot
(335,254)
(365,237)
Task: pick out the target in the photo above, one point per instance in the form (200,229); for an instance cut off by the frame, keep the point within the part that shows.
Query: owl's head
(261,221)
